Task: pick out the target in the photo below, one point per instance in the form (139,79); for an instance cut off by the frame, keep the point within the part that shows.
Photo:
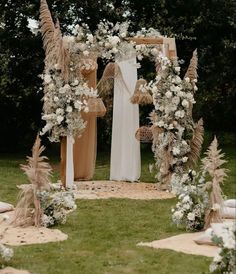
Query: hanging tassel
(141,96)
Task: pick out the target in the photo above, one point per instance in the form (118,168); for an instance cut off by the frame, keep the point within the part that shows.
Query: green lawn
(103,233)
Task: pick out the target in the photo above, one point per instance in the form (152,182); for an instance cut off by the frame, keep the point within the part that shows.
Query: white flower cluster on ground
(189,212)
(55,206)
(225,260)
(6,253)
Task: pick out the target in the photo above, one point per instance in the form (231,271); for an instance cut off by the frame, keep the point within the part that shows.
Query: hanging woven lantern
(144,134)
(141,95)
(96,107)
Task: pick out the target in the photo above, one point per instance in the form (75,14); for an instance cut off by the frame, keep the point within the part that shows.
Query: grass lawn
(103,233)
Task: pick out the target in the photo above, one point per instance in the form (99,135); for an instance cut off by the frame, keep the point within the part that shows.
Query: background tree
(206,25)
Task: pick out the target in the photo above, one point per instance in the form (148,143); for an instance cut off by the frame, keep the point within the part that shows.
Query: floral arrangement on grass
(190,210)
(55,206)
(225,260)
(6,253)
(173,126)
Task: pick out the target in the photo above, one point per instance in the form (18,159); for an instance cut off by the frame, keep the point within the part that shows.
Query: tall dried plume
(55,51)
(212,163)
(28,210)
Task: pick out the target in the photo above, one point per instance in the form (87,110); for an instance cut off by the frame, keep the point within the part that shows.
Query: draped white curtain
(69,162)
(125,149)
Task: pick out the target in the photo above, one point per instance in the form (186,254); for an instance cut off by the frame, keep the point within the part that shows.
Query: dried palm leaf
(212,164)
(196,144)
(28,210)
(192,68)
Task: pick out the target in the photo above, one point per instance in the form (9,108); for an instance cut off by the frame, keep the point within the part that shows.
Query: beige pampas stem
(212,164)
(192,68)
(28,210)
(196,144)
(55,51)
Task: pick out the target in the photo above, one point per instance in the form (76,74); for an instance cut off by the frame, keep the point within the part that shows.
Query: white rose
(170,126)
(185,103)
(191,216)
(69,109)
(77,105)
(59,111)
(86,53)
(114,40)
(175,100)
(178,79)
(90,38)
(176,151)
(47,79)
(168,94)
(59,119)
(160,123)
(177,69)
(55,99)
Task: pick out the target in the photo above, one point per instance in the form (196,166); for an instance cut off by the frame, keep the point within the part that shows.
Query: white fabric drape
(69,162)
(125,149)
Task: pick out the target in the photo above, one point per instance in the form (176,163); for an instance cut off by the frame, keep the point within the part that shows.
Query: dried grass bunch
(28,210)
(212,166)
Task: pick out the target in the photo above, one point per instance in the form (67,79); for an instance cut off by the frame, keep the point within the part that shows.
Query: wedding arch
(71,102)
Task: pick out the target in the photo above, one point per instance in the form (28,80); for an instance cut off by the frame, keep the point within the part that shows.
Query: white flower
(86,53)
(178,215)
(55,99)
(59,119)
(176,150)
(177,69)
(78,105)
(175,100)
(90,38)
(179,114)
(47,79)
(191,216)
(185,159)
(160,123)
(114,40)
(170,126)
(168,94)
(187,79)
(185,103)
(69,109)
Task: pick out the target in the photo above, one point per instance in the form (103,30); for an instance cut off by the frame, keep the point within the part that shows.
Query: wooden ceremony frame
(80,143)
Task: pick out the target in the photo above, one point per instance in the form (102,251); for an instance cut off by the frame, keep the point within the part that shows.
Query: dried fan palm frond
(139,96)
(192,68)
(212,164)
(196,144)
(106,83)
(28,210)
(47,29)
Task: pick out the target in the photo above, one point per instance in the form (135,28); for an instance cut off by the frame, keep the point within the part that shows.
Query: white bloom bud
(185,103)
(69,109)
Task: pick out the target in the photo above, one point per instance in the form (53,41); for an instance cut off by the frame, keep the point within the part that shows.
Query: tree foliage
(206,25)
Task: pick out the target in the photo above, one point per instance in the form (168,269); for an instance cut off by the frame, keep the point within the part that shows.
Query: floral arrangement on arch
(177,139)
(65,90)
